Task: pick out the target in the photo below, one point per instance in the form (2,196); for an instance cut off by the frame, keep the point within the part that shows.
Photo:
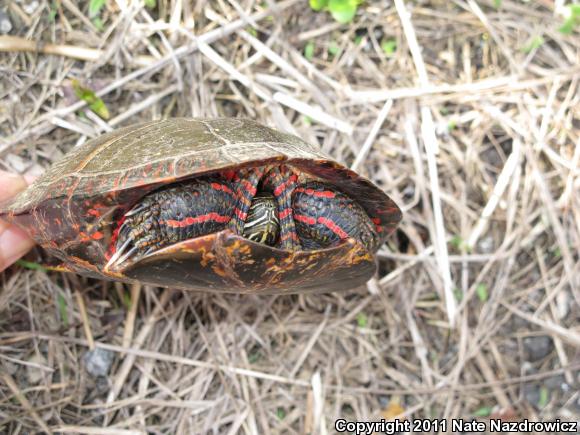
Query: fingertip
(14,243)
(10,185)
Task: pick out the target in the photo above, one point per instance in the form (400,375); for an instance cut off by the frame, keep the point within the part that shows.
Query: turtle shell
(71,209)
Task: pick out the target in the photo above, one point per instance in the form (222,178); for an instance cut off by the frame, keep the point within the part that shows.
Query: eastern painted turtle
(223,205)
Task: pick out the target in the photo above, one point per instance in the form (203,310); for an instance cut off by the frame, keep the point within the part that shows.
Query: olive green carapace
(73,209)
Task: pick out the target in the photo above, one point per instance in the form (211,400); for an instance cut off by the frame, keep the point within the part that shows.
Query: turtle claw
(114,260)
(137,209)
(127,255)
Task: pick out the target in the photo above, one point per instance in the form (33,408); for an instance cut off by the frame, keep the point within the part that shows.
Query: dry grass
(476,307)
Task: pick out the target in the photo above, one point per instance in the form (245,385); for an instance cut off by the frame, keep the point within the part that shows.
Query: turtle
(219,205)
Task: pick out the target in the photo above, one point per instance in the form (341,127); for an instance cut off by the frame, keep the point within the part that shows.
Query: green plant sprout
(572,20)
(342,11)
(535,43)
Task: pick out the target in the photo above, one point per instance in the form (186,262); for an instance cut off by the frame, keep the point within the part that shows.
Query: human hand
(14,242)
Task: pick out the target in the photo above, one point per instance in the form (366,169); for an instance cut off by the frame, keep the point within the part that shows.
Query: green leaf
(333,49)
(544,397)
(482,292)
(318,5)
(98,23)
(389,46)
(53,11)
(483,411)
(95,103)
(451,125)
(358,39)
(497,4)
(456,241)
(62,309)
(253,357)
(572,21)
(307,120)
(309,50)
(362,320)
(252,32)
(280,413)
(535,43)
(30,265)
(95,7)
(343,11)
(151,3)
(458,294)
(127,300)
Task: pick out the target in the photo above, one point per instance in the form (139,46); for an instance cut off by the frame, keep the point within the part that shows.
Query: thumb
(10,185)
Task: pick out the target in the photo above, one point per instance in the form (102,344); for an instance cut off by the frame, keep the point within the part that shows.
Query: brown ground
(475,311)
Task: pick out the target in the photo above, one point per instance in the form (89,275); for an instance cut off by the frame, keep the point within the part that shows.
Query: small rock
(35,374)
(557,382)
(98,361)
(30,7)
(532,393)
(102,385)
(538,348)
(5,23)
(485,245)
(563,304)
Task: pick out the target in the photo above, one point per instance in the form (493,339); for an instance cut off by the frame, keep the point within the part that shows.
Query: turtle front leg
(282,182)
(173,214)
(246,186)
(325,216)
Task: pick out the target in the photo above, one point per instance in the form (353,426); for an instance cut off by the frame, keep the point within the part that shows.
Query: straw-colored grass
(472,125)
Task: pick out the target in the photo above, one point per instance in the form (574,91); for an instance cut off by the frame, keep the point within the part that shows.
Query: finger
(10,185)
(14,243)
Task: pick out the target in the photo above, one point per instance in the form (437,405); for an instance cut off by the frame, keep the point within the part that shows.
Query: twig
(362,155)
(85,319)
(15,43)
(24,402)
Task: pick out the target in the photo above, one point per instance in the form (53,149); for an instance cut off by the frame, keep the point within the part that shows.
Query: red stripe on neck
(222,187)
(316,193)
(305,219)
(283,186)
(284,213)
(328,223)
(209,217)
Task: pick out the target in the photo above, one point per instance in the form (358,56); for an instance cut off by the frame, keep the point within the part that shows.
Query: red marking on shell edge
(84,238)
(285,213)
(229,175)
(114,237)
(197,220)
(333,227)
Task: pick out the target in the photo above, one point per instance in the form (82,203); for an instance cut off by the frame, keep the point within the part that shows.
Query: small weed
(389,47)
(95,103)
(535,43)
(309,50)
(362,320)
(572,20)
(342,11)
